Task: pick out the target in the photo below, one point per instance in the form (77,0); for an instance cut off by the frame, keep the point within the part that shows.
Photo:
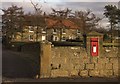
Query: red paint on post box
(94,47)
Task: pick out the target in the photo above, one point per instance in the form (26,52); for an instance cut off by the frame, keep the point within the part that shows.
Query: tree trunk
(111,32)
(37,34)
(60,34)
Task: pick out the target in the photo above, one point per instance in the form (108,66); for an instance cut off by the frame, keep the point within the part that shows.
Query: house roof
(58,23)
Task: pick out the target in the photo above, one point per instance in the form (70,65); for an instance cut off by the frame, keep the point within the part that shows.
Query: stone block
(116,72)
(58,60)
(115,66)
(75,61)
(109,73)
(66,67)
(94,60)
(103,60)
(114,60)
(74,72)
(94,73)
(90,66)
(79,67)
(55,66)
(55,54)
(113,52)
(86,60)
(109,66)
(84,73)
(100,66)
(106,73)
(82,66)
(59,73)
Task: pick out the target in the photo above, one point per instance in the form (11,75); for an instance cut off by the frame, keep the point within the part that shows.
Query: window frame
(30,38)
(31,29)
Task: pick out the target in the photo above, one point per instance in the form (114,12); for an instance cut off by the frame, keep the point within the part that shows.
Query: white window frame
(63,30)
(43,30)
(63,39)
(44,38)
(78,31)
(54,38)
(30,29)
(54,32)
(30,38)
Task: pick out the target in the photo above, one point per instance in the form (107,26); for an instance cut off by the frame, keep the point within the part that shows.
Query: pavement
(15,68)
(62,80)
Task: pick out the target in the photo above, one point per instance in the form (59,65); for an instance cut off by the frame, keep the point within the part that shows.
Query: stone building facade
(31,33)
(62,30)
(52,30)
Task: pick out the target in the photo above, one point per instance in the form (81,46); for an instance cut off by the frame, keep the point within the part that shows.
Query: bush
(59,43)
(106,37)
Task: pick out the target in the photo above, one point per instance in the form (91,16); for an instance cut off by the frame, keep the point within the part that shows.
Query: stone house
(33,30)
(62,30)
(50,29)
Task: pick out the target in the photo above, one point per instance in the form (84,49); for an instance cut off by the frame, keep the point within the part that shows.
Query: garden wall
(67,61)
(70,61)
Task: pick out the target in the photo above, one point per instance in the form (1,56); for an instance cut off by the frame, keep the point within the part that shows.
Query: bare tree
(61,13)
(87,19)
(38,12)
(36,8)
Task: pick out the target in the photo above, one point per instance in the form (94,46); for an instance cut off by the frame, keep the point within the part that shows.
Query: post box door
(94,47)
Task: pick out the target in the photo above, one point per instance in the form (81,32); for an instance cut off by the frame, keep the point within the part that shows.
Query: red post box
(94,46)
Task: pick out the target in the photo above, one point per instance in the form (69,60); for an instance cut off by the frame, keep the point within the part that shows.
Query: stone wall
(70,61)
(74,61)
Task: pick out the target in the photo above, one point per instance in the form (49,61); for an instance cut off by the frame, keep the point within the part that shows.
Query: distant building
(62,30)
(49,28)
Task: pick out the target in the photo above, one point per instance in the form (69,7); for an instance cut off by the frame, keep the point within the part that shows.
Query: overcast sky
(97,6)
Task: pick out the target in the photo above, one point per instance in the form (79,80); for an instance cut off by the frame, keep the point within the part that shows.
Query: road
(15,66)
(17,69)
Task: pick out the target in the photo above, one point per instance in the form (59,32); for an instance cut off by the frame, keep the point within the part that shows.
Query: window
(78,31)
(63,39)
(63,31)
(55,38)
(54,31)
(35,27)
(43,30)
(30,37)
(31,29)
(43,38)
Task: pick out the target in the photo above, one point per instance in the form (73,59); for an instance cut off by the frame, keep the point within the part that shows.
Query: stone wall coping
(94,33)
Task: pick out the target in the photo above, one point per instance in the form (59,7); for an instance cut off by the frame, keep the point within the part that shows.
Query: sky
(96,6)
